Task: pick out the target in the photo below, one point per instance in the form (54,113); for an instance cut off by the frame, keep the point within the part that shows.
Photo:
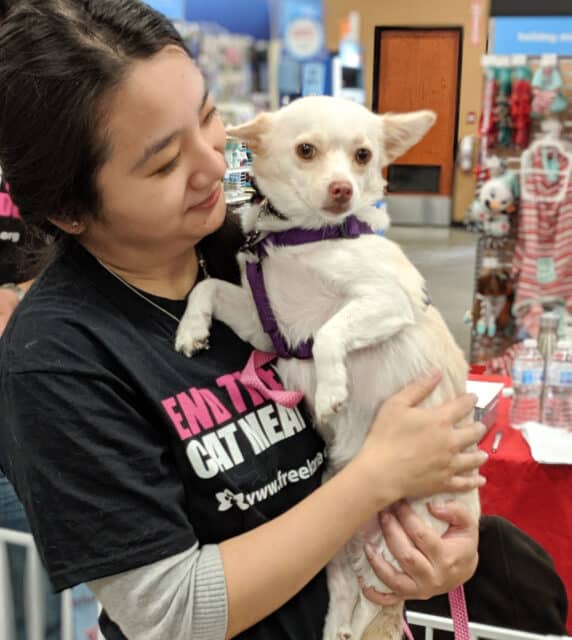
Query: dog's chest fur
(309,284)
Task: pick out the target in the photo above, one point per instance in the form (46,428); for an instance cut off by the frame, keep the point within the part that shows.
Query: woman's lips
(210,201)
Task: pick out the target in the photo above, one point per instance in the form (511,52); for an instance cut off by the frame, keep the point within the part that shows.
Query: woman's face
(161,186)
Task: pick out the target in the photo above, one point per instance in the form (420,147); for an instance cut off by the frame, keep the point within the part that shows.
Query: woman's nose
(209,166)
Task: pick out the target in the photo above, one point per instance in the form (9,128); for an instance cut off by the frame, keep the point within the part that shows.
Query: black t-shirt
(126,452)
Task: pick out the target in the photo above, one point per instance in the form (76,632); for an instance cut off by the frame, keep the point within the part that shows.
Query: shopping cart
(33,589)
(486,632)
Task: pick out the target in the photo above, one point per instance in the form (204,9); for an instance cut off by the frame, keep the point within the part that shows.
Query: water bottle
(557,404)
(548,335)
(527,377)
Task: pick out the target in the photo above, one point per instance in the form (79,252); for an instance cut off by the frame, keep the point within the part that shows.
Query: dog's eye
(363,156)
(306,151)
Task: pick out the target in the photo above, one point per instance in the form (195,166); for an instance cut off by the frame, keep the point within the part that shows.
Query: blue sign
(313,78)
(301,29)
(532,36)
(173,9)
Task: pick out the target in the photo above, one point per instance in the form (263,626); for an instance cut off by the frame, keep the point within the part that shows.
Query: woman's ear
(71,227)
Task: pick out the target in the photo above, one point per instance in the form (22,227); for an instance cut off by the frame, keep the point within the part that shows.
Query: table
(537,498)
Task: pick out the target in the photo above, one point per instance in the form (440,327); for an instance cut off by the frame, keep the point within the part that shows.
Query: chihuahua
(350,316)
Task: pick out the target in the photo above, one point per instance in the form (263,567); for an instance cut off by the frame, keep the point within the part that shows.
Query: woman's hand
(430,564)
(418,452)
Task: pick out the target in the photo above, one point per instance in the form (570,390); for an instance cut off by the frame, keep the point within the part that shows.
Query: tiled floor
(446,258)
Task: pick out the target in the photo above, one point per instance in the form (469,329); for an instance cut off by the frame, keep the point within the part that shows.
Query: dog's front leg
(228,303)
(363,322)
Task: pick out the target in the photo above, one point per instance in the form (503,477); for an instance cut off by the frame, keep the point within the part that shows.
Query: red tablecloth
(537,498)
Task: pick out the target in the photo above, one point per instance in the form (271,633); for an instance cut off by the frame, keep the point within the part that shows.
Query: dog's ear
(252,132)
(401,131)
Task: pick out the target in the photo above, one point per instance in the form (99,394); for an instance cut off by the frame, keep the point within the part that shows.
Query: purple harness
(350,228)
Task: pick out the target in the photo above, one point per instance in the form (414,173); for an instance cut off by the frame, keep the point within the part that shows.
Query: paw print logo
(227,499)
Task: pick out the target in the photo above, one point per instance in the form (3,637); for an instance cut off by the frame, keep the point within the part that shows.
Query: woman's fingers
(422,536)
(460,484)
(382,599)
(399,582)
(469,461)
(415,392)
(466,436)
(456,410)
(453,513)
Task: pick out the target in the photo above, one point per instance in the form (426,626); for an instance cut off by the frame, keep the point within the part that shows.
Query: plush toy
(493,208)
(491,312)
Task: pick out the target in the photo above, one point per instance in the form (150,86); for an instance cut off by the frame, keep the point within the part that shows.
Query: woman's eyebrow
(154,148)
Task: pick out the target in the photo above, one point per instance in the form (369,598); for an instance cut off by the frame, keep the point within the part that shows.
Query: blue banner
(173,9)
(532,35)
(301,29)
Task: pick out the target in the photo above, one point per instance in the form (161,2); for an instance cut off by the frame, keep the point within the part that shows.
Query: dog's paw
(330,400)
(192,334)
(344,633)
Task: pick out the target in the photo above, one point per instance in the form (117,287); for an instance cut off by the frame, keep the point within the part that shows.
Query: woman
(191,506)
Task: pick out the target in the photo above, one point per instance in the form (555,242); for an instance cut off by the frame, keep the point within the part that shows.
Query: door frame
(378,33)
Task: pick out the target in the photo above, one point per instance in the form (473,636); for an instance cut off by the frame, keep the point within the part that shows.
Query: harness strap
(350,228)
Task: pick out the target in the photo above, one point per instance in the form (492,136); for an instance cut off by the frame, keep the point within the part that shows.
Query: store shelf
(233,172)
(237,199)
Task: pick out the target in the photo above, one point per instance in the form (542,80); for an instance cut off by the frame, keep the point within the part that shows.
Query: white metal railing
(33,591)
(478,630)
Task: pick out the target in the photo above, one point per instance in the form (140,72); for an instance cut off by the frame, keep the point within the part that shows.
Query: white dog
(319,163)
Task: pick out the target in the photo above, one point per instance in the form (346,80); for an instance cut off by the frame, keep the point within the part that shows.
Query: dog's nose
(341,191)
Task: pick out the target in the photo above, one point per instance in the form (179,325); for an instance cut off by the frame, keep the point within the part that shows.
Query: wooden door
(419,69)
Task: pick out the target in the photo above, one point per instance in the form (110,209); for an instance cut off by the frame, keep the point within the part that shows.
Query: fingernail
(482,481)
(484,456)
(438,503)
(385,517)
(482,427)
(369,550)
(474,397)
(433,373)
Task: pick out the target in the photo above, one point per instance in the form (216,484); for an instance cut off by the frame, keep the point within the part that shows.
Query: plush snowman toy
(494,206)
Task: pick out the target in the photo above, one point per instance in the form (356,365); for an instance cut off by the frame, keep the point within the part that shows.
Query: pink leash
(252,377)
(458,606)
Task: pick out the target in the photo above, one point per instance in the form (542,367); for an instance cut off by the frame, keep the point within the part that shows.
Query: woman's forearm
(265,567)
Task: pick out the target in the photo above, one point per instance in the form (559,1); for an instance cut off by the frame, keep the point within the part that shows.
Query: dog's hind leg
(343,589)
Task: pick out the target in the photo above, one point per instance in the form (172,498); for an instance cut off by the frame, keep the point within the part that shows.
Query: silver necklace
(202,266)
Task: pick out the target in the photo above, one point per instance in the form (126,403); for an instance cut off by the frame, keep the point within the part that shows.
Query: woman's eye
(363,156)
(170,166)
(306,151)
(210,115)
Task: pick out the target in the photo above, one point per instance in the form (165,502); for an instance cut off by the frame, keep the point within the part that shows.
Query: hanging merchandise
(482,172)
(502,104)
(520,103)
(495,208)
(491,320)
(547,88)
(488,129)
(491,313)
(543,260)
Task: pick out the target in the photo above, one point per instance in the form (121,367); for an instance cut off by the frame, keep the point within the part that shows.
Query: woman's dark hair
(59,62)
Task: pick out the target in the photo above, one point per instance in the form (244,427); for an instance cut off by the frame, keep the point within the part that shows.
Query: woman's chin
(213,219)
